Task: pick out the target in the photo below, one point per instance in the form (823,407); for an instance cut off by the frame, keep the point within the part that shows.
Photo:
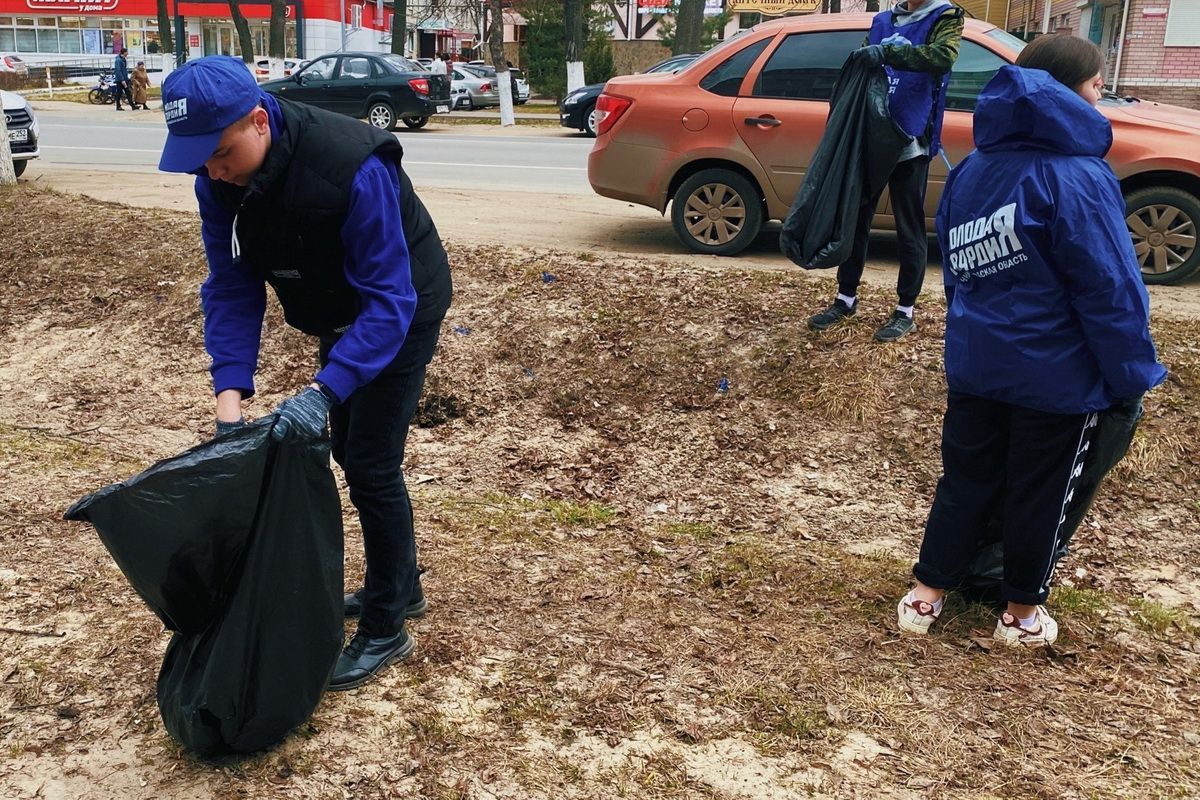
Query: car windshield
(401,64)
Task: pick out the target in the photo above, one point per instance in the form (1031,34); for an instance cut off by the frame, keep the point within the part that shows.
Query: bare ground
(641,585)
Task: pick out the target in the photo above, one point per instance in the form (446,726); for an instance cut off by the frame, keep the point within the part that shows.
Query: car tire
(1164,222)
(381,116)
(589,121)
(19,166)
(415,122)
(717,212)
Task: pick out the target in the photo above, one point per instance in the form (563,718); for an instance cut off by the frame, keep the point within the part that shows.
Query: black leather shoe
(365,656)
(416,609)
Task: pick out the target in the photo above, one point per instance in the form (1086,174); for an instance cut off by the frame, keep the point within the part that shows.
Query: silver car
(468,90)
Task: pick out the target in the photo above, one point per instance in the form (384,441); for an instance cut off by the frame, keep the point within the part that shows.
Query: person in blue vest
(317,205)
(917,44)
(1047,326)
(121,87)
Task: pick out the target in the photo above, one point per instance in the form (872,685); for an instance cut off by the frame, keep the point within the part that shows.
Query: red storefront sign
(138,8)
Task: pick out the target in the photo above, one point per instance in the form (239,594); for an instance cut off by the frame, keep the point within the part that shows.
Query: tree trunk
(8,173)
(165,38)
(399,26)
(576,38)
(245,41)
(689,26)
(503,76)
(276,46)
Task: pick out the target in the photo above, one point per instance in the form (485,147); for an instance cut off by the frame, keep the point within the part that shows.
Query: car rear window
(402,64)
(727,78)
(805,66)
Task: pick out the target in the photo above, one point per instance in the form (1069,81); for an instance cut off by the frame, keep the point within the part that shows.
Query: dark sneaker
(416,608)
(894,328)
(831,316)
(365,656)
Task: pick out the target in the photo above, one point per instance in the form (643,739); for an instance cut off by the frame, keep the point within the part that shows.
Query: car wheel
(589,122)
(717,212)
(381,116)
(415,122)
(19,166)
(1164,222)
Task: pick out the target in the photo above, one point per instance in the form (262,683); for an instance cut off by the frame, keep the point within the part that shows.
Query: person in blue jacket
(121,86)
(317,205)
(917,44)
(1047,325)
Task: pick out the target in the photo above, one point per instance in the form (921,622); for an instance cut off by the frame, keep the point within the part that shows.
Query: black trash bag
(857,153)
(236,545)
(1110,442)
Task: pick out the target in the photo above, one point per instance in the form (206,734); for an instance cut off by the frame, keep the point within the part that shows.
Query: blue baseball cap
(200,100)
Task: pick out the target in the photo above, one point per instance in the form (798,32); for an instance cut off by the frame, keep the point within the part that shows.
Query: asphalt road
(130,141)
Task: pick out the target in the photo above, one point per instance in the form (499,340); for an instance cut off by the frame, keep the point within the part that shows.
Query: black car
(578,108)
(378,87)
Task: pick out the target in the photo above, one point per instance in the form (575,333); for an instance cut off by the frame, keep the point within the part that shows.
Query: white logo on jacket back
(986,245)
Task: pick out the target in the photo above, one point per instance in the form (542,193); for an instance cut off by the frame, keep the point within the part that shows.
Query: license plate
(19,135)
(443,109)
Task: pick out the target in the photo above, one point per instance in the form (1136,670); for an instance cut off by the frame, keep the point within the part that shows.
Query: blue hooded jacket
(1045,303)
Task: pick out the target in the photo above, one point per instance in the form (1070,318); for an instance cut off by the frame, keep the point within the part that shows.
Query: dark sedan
(381,88)
(578,109)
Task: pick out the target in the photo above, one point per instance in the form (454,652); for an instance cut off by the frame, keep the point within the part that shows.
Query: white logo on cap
(176,110)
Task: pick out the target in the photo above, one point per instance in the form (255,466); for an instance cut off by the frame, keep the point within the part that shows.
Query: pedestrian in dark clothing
(917,44)
(121,87)
(317,205)
(1046,326)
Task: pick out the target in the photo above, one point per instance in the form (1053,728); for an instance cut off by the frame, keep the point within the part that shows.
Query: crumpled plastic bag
(236,545)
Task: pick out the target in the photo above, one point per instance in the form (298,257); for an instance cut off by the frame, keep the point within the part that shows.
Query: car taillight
(420,85)
(8,62)
(608,110)
(487,87)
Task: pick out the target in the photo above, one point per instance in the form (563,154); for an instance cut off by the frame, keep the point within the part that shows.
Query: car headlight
(571,100)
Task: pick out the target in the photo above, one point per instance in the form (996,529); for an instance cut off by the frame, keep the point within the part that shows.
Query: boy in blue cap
(317,205)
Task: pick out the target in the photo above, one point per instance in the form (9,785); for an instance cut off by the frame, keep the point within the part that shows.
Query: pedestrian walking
(121,79)
(318,206)
(141,85)
(917,44)
(1047,326)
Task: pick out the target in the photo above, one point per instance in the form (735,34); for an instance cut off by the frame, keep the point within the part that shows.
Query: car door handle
(770,122)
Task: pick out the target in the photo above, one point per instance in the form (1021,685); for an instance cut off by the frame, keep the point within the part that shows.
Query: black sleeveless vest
(288,224)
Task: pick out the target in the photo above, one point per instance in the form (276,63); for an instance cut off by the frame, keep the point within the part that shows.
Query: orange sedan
(727,139)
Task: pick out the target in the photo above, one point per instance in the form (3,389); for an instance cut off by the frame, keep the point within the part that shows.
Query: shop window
(68,42)
(8,40)
(6,21)
(355,17)
(26,40)
(26,22)
(70,22)
(47,41)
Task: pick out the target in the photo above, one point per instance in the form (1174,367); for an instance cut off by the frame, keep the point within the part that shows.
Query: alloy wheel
(1164,237)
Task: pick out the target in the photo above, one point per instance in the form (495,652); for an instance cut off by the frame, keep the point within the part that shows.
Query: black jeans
(1006,459)
(121,89)
(907,187)
(369,431)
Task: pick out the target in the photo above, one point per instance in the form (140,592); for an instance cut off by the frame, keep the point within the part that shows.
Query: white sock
(937,604)
(1028,622)
(905,310)
(849,300)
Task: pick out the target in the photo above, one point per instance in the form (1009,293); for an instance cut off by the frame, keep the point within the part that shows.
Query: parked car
(22,127)
(381,88)
(577,109)
(262,68)
(484,71)
(13,64)
(472,91)
(727,141)
(522,87)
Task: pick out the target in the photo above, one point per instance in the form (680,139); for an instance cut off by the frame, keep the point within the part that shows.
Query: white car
(22,129)
(522,87)
(262,68)
(13,64)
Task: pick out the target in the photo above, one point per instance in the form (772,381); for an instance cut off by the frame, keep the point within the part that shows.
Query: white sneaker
(915,616)
(1043,631)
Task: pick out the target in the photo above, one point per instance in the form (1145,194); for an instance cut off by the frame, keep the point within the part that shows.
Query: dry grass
(641,585)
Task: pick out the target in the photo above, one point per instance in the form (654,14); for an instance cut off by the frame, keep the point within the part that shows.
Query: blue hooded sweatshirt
(1045,303)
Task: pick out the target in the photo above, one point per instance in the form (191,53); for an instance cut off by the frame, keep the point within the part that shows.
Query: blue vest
(916,99)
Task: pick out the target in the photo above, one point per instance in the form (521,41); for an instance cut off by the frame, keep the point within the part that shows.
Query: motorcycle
(104,92)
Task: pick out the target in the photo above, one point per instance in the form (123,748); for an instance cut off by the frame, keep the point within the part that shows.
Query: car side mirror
(300,78)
